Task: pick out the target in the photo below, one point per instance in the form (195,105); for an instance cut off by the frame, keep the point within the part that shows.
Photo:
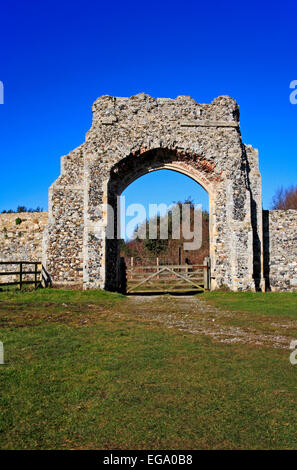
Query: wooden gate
(168,278)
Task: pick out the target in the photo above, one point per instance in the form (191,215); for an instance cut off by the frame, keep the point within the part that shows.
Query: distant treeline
(168,249)
(22,209)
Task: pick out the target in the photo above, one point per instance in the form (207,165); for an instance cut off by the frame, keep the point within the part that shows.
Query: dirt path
(191,314)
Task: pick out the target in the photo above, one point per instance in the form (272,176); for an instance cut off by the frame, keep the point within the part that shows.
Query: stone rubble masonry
(280,244)
(21,242)
(130,137)
(280,249)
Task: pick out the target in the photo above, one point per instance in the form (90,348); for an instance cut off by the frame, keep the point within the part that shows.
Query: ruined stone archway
(132,136)
(130,169)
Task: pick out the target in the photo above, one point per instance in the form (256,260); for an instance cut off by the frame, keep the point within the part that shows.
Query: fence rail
(40,276)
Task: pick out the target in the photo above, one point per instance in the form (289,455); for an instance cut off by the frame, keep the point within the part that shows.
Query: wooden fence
(25,274)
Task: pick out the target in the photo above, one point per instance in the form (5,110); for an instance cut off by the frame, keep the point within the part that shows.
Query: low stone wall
(280,249)
(21,241)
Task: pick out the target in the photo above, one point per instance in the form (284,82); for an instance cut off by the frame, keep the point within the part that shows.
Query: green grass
(271,303)
(57,296)
(36,307)
(90,375)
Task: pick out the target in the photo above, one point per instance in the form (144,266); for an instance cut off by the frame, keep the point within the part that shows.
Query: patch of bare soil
(193,315)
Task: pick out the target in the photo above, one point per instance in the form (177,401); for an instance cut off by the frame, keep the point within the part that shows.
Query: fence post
(21,275)
(131,268)
(35,275)
(179,256)
(206,273)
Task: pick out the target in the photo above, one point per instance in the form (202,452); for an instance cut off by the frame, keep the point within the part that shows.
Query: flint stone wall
(280,249)
(21,242)
(280,244)
(130,137)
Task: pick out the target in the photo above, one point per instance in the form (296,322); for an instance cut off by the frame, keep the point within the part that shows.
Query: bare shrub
(285,199)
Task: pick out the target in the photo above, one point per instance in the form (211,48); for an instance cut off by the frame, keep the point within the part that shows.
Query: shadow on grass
(180,294)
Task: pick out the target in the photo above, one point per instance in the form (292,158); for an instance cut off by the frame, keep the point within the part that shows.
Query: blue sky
(58,57)
(160,187)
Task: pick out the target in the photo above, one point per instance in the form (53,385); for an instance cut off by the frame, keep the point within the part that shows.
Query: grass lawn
(272,303)
(83,372)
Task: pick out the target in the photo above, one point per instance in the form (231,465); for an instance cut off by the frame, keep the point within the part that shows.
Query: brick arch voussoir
(143,161)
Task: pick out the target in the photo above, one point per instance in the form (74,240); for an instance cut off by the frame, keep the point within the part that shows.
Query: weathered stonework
(133,136)
(280,249)
(23,241)
(130,137)
(63,238)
